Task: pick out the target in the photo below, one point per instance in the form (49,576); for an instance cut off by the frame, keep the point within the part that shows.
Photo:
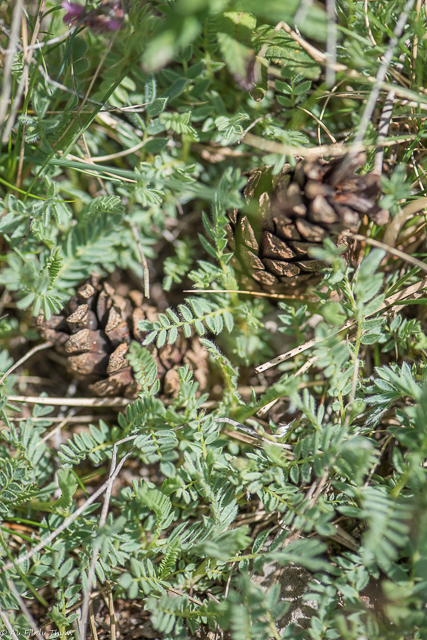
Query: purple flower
(113,25)
(106,17)
(74,11)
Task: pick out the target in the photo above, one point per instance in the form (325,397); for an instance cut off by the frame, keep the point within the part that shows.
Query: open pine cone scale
(94,334)
(295,210)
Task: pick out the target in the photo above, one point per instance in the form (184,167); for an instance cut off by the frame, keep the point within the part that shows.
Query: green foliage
(34,284)
(140,142)
(145,368)
(175,267)
(198,315)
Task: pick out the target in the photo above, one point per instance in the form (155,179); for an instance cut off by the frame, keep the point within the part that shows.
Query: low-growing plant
(285,498)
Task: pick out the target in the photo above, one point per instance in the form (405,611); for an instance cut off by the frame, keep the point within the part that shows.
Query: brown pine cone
(293,211)
(94,333)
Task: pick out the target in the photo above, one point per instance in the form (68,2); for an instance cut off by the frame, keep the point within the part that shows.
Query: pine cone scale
(289,213)
(99,355)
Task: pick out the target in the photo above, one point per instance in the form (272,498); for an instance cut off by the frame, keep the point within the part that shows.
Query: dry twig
(143,259)
(65,524)
(388,302)
(27,356)
(395,252)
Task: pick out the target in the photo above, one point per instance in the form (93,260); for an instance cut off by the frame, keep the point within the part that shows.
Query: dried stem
(392,231)
(368,25)
(260,294)
(302,12)
(23,81)
(7,65)
(379,79)
(321,58)
(388,302)
(143,259)
(73,402)
(313,153)
(7,624)
(27,356)
(384,123)
(331,43)
(24,608)
(395,252)
(102,521)
(89,89)
(54,534)
(122,154)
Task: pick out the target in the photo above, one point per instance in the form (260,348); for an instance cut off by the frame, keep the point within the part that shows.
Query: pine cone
(94,334)
(293,211)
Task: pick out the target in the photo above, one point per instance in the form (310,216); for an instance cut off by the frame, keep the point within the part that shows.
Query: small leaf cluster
(197,315)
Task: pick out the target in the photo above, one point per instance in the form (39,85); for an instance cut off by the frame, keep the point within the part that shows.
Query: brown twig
(181,593)
(113,622)
(92,621)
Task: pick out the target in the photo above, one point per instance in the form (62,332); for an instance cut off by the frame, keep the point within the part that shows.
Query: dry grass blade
(395,252)
(7,624)
(124,153)
(72,402)
(24,608)
(331,43)
(54,534)
(24,76)
(92,82)
(143,259)
(27,356)
(302,13)
(321,58)
(113,622)
(289,354)
(95,552)
(393,229)
(311,153)
(92,621)
(7,68)
(325,150)
(379,80)
(388,302)
(260,294)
